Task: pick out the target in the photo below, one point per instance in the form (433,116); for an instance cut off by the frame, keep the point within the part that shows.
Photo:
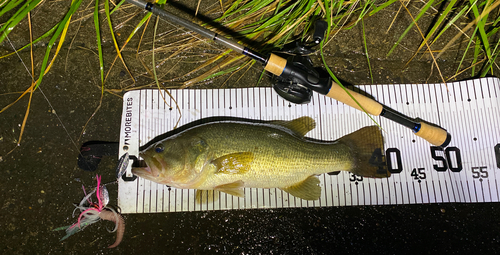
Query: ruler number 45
(418,173)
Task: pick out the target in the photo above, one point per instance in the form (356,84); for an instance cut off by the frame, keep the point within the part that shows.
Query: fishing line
(46,99)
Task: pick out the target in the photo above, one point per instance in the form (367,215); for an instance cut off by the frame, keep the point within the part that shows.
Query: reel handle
(433,134)
(371,106)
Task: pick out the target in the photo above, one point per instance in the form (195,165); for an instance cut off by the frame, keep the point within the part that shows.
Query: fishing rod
(299,80)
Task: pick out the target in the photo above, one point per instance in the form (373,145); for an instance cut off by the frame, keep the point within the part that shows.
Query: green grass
(268,25)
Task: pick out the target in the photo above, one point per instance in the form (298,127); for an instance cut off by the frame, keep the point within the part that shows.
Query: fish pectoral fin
(206,196)
(300,126)
(234,188)
(308,189)
(234,163)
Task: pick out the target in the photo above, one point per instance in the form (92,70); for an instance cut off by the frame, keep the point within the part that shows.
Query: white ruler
(466,171)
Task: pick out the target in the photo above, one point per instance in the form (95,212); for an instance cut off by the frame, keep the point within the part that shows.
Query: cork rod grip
(434,135)
(275,64)
(371,106)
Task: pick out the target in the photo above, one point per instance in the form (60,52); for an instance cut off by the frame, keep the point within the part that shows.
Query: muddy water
(41,180)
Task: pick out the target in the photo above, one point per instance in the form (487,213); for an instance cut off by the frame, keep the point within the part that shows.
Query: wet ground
(42,180)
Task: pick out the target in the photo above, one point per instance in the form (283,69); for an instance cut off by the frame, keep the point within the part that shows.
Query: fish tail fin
(367,147)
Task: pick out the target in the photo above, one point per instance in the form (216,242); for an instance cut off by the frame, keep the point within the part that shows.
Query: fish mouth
(151,170)
(142,171)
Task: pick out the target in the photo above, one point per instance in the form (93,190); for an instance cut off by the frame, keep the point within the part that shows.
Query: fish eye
(159,148)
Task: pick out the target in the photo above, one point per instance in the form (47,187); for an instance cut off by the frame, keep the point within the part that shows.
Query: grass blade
(438,23)
(366,50)
(61,30)
(117,6)
(118,52)
(480,25)
(420,14)
(99,47)
(466,50)
(381,7)
(35,41)
(491,61)
(16,18)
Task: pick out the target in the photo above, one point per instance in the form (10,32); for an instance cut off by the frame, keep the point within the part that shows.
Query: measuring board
(466,171)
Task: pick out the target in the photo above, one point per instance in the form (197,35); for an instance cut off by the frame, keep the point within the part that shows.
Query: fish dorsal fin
(308,189)
(206,196)
(300,126)
(234,188)
(234,163)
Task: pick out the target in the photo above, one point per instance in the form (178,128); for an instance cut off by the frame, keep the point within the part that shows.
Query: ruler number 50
(450,160)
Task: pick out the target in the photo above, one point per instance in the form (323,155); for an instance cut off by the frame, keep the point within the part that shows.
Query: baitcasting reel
(296,86)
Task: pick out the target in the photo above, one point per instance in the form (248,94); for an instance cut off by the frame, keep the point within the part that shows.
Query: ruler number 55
(479,172)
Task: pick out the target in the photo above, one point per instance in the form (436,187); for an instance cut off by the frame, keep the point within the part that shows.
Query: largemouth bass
(230,155)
